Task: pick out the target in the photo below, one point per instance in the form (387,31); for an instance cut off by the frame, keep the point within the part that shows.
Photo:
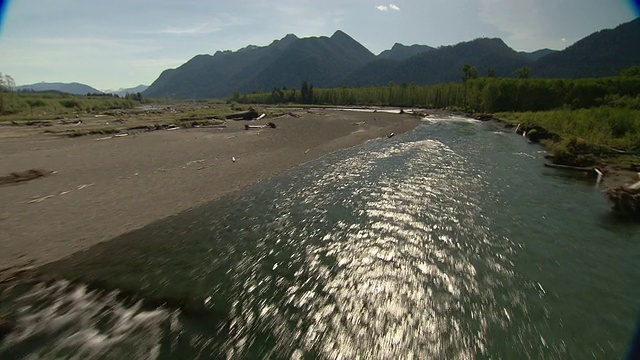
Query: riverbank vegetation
(582,121)
(36,105)
(584,137)
(476,95)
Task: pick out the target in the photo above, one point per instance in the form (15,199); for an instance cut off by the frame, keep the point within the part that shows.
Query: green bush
(70,103)
(36,103)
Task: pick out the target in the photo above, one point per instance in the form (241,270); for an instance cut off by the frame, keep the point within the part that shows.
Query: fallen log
(573,168)
(271,125)
(622,152)
(484,117)
(588,171)
(244,115)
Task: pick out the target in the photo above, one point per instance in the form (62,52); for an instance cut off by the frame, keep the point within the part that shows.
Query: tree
(491,73)
(469,72)
(6,82)
(632,71)
(306,92)
(523,73)
(133,96)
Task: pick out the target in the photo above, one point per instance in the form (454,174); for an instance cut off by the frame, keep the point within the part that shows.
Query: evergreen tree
(524,72)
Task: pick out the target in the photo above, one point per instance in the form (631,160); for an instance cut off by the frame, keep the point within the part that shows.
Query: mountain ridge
(74,88)
(402,52)
(340,60)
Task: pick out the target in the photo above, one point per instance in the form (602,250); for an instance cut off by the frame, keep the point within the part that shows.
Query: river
(450,241)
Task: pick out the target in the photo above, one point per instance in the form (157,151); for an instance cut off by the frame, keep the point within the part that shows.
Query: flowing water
(448,242)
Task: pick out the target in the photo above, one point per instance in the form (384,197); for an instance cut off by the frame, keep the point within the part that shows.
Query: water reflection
(401,248)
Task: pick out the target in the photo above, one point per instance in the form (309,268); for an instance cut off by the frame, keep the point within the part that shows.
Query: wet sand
(101,189)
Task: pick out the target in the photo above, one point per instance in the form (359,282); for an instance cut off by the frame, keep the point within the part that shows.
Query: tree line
(479,94)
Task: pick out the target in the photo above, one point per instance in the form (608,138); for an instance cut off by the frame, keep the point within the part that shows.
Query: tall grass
(46,105)
(587,136)
(614,127)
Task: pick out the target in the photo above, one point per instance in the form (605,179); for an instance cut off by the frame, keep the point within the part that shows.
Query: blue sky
(117,43)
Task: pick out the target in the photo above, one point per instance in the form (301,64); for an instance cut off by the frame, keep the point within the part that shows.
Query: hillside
(124,91)
(536,55)
(442,64)
(603,53)
(401,52)
(70,88)
(284,63)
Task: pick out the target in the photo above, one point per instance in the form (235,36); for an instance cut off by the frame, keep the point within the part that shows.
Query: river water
(448,242)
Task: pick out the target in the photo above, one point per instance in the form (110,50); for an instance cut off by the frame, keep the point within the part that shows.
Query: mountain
(284,63)
(442,64)
(70,88)
(321,61)
(124,91)
(218,75)
(340,60)
(402,52)
(534,56)
(603,53)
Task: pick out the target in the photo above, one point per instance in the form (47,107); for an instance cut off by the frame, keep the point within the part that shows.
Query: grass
(36,106)
(586,135)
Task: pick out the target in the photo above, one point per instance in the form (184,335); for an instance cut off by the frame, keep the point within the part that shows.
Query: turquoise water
(451,241)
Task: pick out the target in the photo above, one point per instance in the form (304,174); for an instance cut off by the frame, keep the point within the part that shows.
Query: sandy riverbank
(104,188)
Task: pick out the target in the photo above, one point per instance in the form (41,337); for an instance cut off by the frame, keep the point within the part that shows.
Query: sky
(117,43)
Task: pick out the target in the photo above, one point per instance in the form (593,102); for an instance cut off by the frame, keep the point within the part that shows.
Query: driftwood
(16,177)
(271,125)
(244,115)
(484,117)
(622,152)
(589,171)
(573,168)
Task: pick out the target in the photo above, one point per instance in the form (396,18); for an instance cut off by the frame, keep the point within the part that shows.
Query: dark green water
(451,241)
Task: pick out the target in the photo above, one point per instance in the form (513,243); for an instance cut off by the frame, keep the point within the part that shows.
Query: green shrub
(70,103)
(36,103)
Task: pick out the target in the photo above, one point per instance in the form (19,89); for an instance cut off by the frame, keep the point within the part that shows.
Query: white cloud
(393,7)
